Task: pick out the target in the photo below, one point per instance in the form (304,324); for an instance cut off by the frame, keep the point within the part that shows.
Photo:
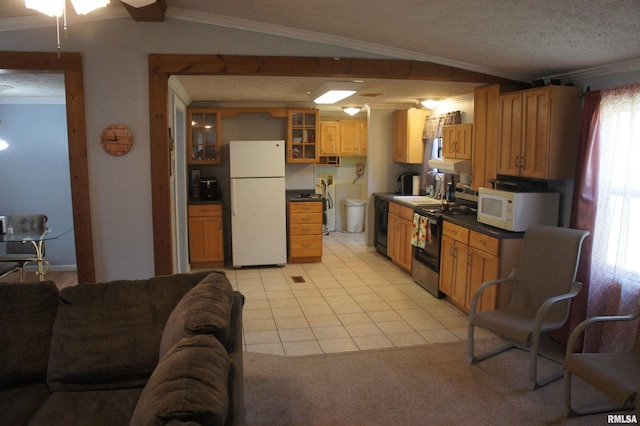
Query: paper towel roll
(416,185)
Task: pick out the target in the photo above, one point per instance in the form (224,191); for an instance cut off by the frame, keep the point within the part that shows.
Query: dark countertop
(471,222)
(468,221)
(302,195)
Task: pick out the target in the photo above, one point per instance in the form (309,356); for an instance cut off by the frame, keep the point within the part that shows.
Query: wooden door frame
(71,65)
(162,66)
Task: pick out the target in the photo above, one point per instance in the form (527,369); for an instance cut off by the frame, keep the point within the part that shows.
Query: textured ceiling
(524,40)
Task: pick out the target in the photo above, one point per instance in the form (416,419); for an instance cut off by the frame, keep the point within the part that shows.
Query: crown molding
(316,37)
(600,71)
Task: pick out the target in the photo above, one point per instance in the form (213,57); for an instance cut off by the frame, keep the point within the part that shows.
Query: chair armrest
(544,308)
(478,294)
(575,334)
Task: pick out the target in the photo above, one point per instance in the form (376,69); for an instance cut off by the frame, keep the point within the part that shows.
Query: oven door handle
(432,221)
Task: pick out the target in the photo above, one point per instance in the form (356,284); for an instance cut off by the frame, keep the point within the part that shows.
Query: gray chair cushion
(189,385)
(615,374)
(107,335)
(27,314)
(205,309)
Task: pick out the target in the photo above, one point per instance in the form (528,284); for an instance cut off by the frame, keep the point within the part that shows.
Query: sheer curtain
(614,274)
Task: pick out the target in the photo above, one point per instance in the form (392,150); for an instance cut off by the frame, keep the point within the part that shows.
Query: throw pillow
(205,309)
(188,385)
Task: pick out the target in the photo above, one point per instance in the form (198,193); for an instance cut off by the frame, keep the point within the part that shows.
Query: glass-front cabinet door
(301,138)
(204,136)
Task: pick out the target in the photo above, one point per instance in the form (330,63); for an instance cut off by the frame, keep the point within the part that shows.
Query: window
(617,229)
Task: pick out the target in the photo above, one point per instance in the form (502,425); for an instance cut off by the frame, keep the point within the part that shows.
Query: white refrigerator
(258,203)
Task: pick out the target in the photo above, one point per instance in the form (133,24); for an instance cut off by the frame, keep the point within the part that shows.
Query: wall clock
(116,139)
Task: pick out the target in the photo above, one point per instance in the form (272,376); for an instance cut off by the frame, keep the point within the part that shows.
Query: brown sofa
(167,350)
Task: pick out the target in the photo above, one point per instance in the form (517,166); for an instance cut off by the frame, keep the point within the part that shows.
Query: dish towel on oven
(419,231)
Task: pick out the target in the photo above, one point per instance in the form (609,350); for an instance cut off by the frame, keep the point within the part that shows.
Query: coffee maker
(209,189)
(405,183)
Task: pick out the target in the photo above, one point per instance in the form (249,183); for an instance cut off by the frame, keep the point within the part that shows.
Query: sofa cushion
(27,313)
(90,408)
(19,404)
(107,335)
(188,385)
(205,309)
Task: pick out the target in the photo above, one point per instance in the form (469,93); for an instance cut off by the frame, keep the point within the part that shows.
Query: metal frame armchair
(22,252)
(617,375)
(543,286)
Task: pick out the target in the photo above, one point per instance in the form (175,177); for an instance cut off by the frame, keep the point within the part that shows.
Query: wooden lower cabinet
(400,225)
(453,262)
(206,245)
(304,231)
(470,258)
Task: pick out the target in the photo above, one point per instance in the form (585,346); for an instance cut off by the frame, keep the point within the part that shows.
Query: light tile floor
(355,299)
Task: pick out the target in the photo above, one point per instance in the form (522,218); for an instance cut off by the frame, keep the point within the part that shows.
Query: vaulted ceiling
(517,40)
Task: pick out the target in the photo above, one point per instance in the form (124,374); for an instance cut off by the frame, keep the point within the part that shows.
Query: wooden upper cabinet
(301,135)
(538,132)
(353,138)
(329,138)
(204,136)
(408,126)
(456,141)
(485,135)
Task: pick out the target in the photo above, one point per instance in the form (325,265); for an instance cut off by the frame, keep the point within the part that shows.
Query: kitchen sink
(417,200)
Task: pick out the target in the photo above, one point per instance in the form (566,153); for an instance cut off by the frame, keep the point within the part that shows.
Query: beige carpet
(424,385)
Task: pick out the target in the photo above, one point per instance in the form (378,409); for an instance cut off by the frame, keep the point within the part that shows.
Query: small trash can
(355,215)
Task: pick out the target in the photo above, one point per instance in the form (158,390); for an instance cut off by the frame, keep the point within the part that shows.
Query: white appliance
(516,211)
(258,203)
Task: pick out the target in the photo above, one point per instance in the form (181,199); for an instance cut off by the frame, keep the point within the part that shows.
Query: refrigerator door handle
(233,197)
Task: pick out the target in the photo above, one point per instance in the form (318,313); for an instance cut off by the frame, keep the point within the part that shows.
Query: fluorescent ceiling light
(430,103)
(351,110)
(331,92)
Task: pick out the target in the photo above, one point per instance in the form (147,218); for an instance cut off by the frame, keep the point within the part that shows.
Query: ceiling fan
(140,10)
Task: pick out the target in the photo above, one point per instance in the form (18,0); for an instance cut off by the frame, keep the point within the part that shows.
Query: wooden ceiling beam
(317,67)
(151,13)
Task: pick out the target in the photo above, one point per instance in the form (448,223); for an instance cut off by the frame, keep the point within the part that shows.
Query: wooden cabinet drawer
(305,207)
(305,218)
(406,213)
(394,208)
(306,245)
(204,210)
(458,233)
(485,243)
(305,229)
(400,210)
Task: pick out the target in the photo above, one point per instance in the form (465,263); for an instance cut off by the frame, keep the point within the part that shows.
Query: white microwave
(516,211)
